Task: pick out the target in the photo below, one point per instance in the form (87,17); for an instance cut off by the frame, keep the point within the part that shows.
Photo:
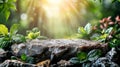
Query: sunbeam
(60,16)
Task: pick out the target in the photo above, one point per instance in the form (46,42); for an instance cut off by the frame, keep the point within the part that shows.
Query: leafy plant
(5,7)
(106,31)
(110,31)
(82,56)
(8,38)
(27,59)
(34,34)
(85,32)
(94,55)
(86,58)
(14,58)
(23,57)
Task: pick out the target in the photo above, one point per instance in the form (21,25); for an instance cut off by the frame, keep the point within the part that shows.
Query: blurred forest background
(60,18)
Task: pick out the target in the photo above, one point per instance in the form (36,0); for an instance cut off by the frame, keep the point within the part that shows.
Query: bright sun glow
(54,1)
(55,17)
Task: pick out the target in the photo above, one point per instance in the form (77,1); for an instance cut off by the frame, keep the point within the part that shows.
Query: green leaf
(74,60)
(81,30)
(30,60)
(94,54)
(12,6)
(2,17)
(23,57)
(102,38)
(5,43)
(88,64)
(14,29)
(33,34)
(7,14)
(82,56)
(35,30)
(4,14)
(3,30)
(88,28)
(114,43)
(18,38)
(109,30)
(13,58)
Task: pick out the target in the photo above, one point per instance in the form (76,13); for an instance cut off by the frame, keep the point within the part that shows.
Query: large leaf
(14,29)
(3,30)
(82,56)
(88,28)
(94,54)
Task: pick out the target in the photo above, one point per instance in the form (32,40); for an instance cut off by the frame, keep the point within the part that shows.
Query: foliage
(13,57)
(23,57)
(34,34)
(106,31)
(5,7)
(95,58)
(3,30)
(83,57)
(8,38)
(27,59)
(85,32)
(110,31)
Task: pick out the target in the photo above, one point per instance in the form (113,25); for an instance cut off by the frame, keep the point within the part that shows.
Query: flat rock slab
(55,49)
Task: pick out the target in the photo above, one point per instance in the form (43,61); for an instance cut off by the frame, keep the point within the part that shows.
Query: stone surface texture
(55,49)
